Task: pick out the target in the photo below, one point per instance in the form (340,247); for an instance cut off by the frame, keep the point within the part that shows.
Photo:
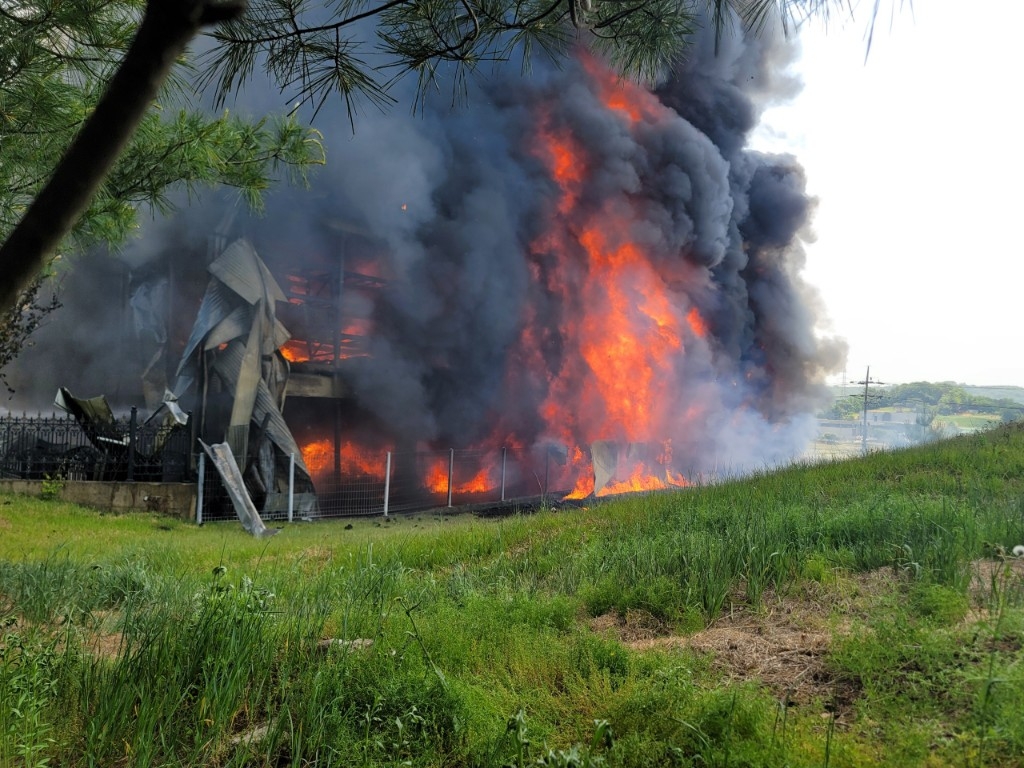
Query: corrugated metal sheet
(243,272)
(233,326)
(237,319)
(222,458)
(218,303)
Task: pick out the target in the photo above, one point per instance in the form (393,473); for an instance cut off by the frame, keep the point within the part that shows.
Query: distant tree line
(929,399)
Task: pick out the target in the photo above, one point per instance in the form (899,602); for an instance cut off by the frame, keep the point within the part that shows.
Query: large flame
(625,332)
(625,322)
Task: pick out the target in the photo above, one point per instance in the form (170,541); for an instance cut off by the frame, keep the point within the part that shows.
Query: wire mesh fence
(388,482)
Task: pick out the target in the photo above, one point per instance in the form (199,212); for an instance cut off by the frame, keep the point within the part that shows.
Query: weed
(30,668)
(51,487)
(937,603)
(525,752)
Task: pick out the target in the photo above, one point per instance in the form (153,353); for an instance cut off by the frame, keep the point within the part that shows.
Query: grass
(847,614)
(970,420)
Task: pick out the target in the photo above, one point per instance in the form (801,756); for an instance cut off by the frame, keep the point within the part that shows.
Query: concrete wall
(174,499)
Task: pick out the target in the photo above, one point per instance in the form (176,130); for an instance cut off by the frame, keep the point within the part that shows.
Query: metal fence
(378,483)
(41,447)
(391,482)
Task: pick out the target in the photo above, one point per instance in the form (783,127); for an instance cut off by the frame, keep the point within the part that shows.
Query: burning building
(574,268)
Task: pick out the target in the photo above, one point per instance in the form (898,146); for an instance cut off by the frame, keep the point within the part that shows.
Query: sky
(916,158)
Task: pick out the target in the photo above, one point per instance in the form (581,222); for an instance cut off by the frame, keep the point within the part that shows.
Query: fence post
(199,490)
(547,468)
(504,455)
(8,446)
(291,487)
(451,471)
(131,443)
(387,482)
(24,462)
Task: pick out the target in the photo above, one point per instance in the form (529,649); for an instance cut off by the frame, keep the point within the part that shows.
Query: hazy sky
(917,159)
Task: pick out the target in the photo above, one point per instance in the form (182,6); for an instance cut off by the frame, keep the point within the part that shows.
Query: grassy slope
(815,616)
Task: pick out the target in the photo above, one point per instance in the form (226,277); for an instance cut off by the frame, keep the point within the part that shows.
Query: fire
(624,337)
(562,155)
(635,103)
(480,483)
(638,481)
(436,480)
(697,324)
(642,471)
(319,457)
(349,345)
(295,351)
(437,477)
(583,488)
(608,358)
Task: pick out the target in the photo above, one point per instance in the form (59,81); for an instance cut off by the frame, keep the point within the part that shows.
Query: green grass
(451,641)
(970,420)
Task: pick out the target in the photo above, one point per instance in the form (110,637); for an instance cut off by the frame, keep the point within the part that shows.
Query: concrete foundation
(173,499)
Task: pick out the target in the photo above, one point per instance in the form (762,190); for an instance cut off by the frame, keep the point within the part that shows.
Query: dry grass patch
(104,645)
(783,646)
(1006,574)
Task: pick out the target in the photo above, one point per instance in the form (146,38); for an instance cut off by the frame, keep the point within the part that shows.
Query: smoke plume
(569,259)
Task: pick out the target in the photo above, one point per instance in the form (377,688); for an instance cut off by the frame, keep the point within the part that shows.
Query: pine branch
(165,31)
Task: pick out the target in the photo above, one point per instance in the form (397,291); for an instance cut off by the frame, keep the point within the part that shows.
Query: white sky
(916,157)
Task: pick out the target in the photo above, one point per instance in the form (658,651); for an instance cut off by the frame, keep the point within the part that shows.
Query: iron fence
(41,447)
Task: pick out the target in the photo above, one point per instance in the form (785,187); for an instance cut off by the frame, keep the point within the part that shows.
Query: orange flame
(625,321)
(318,455)
(295,351)
(436,480)
(619,95)
(623,335)
(696,322)
(583,488)
(638,481)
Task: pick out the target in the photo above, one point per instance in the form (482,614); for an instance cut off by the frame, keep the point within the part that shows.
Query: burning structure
(576,268)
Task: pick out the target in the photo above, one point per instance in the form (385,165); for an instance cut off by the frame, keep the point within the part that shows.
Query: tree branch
(225,37)
(165,31)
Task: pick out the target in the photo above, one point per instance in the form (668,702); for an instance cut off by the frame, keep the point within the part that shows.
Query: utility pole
(867,380)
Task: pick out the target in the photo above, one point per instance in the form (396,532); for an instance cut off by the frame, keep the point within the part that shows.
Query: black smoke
(457,201)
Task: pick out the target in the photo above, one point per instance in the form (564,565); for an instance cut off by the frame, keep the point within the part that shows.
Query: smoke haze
(569,259)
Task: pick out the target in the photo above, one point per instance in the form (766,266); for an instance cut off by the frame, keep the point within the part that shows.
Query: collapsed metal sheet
(241,270)
(615,462)
(159,449)
(94,416)
(231,476)
(232,358)
(604,454)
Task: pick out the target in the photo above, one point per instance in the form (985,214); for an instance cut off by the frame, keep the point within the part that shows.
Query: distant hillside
(997,393)
(993,392)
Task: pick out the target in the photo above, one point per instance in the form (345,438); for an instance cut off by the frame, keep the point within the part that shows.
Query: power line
(867,381)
